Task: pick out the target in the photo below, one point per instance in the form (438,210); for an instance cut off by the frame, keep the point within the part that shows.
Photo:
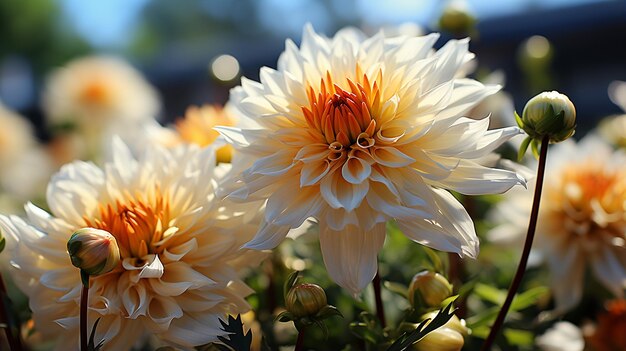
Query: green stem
(521,268)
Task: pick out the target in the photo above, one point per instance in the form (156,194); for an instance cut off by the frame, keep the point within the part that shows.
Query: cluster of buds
(428,289)
(94,251)
(548,115)
(306,304)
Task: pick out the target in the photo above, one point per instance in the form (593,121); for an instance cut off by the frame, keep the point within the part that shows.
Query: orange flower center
(343,117)
(589,203)
(137,226)
(95,92)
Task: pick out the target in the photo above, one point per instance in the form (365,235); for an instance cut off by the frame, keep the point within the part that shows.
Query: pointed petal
(351,255)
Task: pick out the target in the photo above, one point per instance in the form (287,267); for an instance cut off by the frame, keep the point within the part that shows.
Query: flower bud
(432,288)
(304,300)
(94,251)
(457,19)
(453,323)
(549,114)
(441,339)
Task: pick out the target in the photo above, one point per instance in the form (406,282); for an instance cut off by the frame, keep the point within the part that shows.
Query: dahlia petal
(610,271)
(312,152)
(178,278)
(313,172)
(275,164)
(451,229)
(73,191)
(350,255)
(467,93)
(473,179)
(162,310)
(152,270)
(175,253)
(194,329)
(355,170)
(267,237)
(490,141)
(390,156)
(291,205)
(567,274)
(338,193)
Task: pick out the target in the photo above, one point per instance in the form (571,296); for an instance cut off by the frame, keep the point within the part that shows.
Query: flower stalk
(300,340)
(380,309)
(521,268)
(84,303)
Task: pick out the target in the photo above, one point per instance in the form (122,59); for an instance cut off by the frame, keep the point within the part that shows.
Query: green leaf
(523,148)
(235,337)
(397,288)
(534,145)
(3,243)
(519,337)
(518,120)
(528,298)
(489,293)
(327,312)
(407,339)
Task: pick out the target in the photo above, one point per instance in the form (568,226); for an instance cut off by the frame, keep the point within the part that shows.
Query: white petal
(473,179)
(356,170)
(338,193)
(267,237)
(610,271)
(351,255)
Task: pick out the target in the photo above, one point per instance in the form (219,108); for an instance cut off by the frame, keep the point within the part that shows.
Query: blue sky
(106,23)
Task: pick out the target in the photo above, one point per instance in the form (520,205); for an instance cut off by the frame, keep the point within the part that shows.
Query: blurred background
(194,51)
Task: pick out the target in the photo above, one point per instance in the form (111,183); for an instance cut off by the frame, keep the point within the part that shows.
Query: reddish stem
(380,309)
(84,299)
(521,268)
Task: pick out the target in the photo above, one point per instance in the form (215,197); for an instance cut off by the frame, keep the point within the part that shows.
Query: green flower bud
(305,300)
(549,114)
(94,251)
(429,288)
(442,339)
(457,20)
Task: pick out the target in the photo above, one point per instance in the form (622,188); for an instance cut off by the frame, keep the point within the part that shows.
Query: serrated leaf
(235,337)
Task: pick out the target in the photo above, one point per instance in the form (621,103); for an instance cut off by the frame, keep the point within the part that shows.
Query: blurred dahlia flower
(92,98)
(24,166)
(356,131)
(179,247)
(196,127)
(582,218)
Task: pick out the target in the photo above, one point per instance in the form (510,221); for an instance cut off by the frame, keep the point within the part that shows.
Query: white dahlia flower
(356,131)
(179,246)
(582,218)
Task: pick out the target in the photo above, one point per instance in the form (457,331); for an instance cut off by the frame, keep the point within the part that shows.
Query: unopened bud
(549,114)
(441,339)
(453,323)
(429,287)
(304,300)
(457,19)
(94,251)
